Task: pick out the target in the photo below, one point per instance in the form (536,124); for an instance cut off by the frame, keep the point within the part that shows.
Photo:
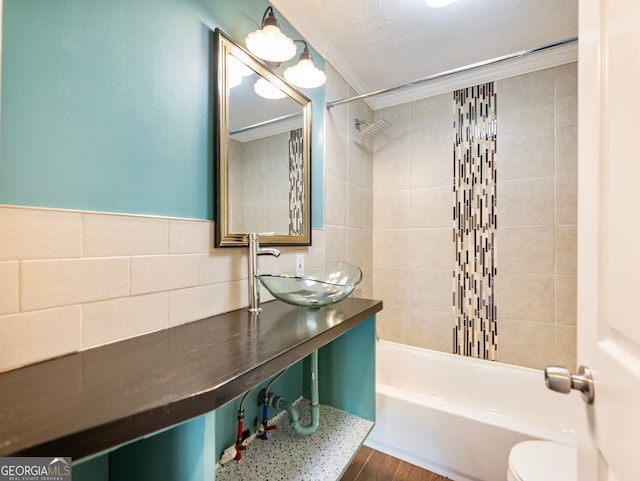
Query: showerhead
(373,129)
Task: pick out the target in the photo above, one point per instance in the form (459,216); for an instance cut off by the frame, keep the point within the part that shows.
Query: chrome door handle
(558,378)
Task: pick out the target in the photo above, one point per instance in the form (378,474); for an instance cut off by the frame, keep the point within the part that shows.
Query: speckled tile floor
(288,456)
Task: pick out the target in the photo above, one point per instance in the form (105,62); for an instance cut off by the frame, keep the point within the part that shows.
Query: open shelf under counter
(289,456)
(104,405)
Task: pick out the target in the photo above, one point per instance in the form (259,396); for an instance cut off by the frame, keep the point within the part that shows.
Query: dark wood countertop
(93,400)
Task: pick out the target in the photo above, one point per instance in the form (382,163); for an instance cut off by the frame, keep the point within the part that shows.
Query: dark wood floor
(372,465)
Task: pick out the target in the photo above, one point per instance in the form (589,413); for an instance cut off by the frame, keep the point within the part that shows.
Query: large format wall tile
(526,202)
(526,102)
(9,287)
(394,324)
(527,249)
(431,289)
(162,273)
(566,96)
(429,248)
(62,282)
(535,242)
(431,330)
(566,199)
(566,249)
(39,233)
(566,300)
(393,171)
(392,209)
(118,235)
(30,337)
(393,286)
(116,319)
(567,149)
(526,156)
(526,297)
(529,344)
(431,207)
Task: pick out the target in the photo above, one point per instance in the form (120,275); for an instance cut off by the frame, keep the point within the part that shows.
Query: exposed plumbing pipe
(265,406)
(240,435)
(279,402)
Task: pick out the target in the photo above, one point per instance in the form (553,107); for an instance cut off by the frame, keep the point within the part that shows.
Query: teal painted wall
(346,371)
(106,106)
(190,450)
(176,454)
(289,386)
(93,469)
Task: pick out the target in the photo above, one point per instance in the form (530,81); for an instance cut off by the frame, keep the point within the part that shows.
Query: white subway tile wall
(29,337)
(39,234)
(9,292)
(76,280)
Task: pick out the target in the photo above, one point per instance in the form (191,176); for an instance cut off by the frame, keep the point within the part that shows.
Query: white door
(609,236)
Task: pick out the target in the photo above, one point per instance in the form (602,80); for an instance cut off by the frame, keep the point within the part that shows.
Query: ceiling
(377,44)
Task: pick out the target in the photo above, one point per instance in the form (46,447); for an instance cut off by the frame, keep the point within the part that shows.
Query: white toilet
(542,461)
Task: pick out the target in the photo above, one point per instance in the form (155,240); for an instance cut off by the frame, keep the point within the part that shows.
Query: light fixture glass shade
(305,74)
(237,67)
(271,44)
(233,80)
(267,90)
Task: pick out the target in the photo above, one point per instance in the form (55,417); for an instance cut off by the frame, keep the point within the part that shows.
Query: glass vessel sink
(316,286)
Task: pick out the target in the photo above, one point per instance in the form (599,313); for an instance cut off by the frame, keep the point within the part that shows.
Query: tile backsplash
(75,280)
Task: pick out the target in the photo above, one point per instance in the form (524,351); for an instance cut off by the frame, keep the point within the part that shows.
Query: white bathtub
(458,416)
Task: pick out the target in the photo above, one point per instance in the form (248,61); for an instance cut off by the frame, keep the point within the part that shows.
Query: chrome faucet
(254,271)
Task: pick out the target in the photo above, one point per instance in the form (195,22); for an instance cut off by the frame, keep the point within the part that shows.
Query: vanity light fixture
(269,43)
(305,74)
(267,90)
(236,70)
(233,80)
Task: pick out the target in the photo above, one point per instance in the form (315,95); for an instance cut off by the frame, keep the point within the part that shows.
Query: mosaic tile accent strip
(288,456)
(475,328)
(296,183)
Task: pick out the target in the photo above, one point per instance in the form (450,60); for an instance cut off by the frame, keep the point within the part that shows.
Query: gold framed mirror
(263,151)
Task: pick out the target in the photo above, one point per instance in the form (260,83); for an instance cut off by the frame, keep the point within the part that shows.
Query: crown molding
(509,68)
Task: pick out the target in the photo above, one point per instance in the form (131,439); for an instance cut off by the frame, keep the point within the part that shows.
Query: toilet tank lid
(544,461)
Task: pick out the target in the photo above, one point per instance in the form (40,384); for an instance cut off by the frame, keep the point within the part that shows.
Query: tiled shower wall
(348,183)
(73,280)
(413,250)
(259,173)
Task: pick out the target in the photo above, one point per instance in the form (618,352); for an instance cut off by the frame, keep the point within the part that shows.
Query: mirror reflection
(263,174)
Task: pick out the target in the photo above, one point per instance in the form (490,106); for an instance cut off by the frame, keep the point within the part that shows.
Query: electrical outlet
(299,264)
